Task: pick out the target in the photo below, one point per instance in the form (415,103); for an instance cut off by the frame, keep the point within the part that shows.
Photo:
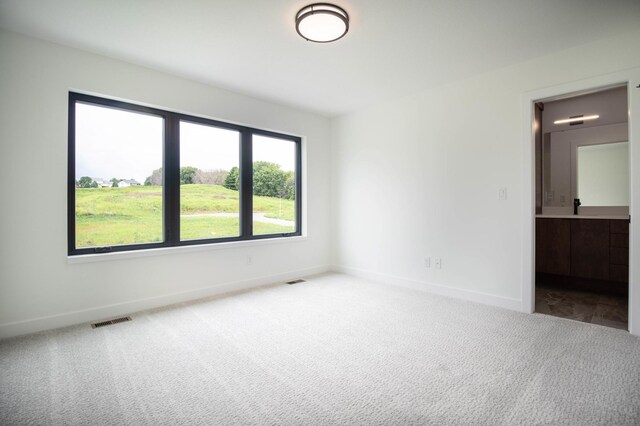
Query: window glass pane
(209,182)
(117,153)
(274,188)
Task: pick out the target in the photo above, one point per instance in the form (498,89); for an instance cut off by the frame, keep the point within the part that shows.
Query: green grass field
(115,216)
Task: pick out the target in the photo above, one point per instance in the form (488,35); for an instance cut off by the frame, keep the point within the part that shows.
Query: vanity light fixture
(578,118)
(322,22)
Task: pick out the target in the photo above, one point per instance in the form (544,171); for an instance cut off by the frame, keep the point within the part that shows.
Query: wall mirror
(602,174)
(591,164)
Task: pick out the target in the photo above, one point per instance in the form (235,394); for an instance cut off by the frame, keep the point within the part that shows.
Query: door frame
(630,78)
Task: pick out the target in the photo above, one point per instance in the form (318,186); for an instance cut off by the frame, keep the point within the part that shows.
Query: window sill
(106,257)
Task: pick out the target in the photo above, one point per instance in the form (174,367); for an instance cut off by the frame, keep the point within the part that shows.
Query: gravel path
(258,217)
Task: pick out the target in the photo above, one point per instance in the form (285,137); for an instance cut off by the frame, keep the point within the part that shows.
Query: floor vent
(110,322)
(296,281)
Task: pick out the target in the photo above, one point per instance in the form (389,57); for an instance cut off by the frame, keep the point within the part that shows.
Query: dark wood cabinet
(619,226)
(594,249)
(590,248)
(619,256)
(553,246)
(620,241)
(619,251)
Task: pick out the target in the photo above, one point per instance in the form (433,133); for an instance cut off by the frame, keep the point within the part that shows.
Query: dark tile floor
(603,309)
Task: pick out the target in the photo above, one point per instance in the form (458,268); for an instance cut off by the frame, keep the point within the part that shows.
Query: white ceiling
(393,48)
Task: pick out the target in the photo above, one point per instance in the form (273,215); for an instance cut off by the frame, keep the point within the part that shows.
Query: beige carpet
(333,350)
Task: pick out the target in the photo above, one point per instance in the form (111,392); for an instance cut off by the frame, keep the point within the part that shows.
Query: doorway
(533,191)
(582,208)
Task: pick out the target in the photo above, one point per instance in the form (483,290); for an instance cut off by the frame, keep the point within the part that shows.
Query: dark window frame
(171,178)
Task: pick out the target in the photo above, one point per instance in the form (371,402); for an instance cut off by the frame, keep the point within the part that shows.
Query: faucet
(576,204)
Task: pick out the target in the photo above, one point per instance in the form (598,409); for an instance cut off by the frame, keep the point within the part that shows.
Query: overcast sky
(127,145)
(114,143)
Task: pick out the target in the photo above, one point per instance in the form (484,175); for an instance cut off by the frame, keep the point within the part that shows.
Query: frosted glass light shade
(322,22)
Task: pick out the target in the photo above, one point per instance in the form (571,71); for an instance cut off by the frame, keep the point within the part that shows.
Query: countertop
(573,216)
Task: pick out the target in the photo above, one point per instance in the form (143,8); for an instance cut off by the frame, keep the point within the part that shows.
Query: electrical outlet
(438,263)
(427,262)
(502,194)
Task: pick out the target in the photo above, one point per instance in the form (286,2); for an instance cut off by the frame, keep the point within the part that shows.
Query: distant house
(128,182)
(102,183)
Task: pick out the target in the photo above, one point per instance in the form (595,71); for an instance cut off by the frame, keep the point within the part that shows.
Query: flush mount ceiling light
(322,22)
(574,119)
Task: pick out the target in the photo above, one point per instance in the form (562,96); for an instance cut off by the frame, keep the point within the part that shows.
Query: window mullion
(171,179)
(246,184)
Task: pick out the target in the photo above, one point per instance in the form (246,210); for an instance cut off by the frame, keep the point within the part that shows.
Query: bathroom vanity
(583,250)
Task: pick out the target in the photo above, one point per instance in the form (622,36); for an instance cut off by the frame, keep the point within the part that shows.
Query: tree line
(269,180)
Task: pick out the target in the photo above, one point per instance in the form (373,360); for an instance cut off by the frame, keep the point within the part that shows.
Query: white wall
(420,176)
(38,287)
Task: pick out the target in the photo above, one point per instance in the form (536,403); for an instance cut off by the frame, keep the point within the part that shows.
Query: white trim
(634,201)
(108,311)
(179,111)
(457,293)
(104,257)
(631,78)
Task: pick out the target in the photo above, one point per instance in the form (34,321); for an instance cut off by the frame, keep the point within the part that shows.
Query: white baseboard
(103,312)
(458,293)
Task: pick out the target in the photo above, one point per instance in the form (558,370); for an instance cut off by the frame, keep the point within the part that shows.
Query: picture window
(142,178)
